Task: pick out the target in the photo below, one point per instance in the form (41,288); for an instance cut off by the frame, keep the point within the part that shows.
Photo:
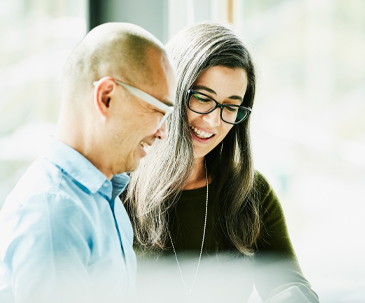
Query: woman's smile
(201,134)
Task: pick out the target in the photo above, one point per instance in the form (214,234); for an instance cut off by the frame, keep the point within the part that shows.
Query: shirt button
(105,184)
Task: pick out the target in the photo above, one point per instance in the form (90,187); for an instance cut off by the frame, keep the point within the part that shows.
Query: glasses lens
(201,103)
(234,114)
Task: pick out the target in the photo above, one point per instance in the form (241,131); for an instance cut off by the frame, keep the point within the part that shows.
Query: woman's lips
(200,133)
(199,139)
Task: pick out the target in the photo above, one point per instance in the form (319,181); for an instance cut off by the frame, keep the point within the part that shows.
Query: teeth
(200,133)
(144,144)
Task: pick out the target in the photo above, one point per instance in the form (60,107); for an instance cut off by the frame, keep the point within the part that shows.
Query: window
(36,37)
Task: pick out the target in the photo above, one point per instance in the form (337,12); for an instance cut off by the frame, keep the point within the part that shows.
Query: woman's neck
(197,178)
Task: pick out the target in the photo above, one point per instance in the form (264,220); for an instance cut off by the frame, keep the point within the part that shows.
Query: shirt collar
(82,170)
(119,182)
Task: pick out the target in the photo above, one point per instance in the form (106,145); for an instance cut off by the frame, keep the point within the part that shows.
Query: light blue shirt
(65,235)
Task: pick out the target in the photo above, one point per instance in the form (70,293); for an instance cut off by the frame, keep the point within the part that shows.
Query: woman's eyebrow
(235,97)
(209,90)
(202,87)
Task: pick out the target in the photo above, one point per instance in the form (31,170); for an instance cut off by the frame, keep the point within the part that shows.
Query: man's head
(100,116)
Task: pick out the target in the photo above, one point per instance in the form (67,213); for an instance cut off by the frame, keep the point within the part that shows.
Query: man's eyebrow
(209,90)
(168,103)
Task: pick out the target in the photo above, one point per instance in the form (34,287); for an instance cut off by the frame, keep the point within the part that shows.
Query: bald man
(64,233)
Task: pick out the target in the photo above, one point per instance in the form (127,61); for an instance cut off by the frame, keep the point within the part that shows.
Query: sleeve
(46,250)
(276,265)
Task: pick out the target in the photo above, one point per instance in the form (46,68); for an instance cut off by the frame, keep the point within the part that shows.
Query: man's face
(136,125)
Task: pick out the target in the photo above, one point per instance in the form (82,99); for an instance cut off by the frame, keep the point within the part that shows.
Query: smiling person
(198,191)
(65,235)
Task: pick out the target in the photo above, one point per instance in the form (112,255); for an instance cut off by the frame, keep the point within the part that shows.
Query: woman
(197,190)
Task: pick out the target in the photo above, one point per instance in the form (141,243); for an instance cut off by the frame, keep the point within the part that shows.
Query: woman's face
(226,86)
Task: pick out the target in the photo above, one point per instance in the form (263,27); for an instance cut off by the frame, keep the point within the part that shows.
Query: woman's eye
(201,98)
(232,108)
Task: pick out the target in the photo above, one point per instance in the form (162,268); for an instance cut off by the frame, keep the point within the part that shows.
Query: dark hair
(164,172)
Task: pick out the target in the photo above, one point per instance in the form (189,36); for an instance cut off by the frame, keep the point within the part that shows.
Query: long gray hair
(161,176)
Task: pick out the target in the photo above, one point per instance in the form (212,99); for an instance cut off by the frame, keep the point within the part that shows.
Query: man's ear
(103,92)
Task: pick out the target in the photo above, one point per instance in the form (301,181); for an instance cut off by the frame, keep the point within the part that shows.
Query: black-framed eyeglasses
(203,104)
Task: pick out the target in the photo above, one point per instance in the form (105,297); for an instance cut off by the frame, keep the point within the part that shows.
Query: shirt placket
(106,191)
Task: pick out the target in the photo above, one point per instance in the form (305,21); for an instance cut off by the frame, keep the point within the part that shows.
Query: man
(64,233)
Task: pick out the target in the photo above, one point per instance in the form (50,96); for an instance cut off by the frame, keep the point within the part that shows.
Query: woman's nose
(213,118)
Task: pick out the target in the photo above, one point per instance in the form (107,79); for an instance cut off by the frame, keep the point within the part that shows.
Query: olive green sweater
(276,265)
(224,275)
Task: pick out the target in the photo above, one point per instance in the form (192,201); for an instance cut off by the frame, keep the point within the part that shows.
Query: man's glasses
(203,104)
(147,98)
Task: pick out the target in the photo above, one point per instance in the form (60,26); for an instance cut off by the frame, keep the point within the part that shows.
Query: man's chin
(131,168)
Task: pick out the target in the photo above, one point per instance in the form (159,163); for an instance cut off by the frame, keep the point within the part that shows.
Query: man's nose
(161,132)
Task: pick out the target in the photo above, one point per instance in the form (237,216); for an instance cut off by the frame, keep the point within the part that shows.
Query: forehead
(223,80)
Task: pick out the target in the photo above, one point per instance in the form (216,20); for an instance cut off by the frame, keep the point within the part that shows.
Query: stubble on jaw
(119,154)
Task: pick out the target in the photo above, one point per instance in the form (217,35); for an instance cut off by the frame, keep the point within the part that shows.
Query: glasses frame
(147,98)
(217,104)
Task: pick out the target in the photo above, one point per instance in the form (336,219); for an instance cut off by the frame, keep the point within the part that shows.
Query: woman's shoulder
(265,194)
(262,186)
(274,235)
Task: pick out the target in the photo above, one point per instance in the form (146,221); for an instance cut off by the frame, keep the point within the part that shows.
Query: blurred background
(308,125)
